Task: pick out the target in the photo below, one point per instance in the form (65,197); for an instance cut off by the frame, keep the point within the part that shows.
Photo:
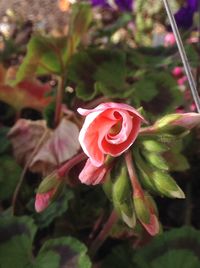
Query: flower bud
(43,200)
(184,120)
(121,188)
(157,160)
(187,120)
(47,190)
(48,183)
(128,214)
(169,40)
(177,71)
(154,146)
(166,185)
(142,211)
(121,196)
(92,174)
(146,214)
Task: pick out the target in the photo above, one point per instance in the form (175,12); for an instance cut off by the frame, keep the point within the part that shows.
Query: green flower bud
(108,186)
(128,214)
(141,209)
(157,160)
(166,121)
(166,185)
(48,183)
(121,188)
(154,146)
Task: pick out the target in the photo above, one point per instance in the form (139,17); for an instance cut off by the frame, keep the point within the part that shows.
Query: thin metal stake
(183,55)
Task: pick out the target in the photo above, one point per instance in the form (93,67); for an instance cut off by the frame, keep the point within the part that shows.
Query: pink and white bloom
(109,129)
(92,174)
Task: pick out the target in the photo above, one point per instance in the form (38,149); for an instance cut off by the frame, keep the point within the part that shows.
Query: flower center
(116,128)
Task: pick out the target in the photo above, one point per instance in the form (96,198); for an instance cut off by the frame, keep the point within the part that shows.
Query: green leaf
(71,252)
(175,248)
(44,56)
(168,95)
(16,239)
(4,142)
(98,71)
(145,89)
(9,175)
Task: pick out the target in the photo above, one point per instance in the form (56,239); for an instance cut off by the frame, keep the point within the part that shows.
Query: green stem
(59,99)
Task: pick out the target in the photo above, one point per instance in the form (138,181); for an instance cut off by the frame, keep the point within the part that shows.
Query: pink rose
(110,128)
(92,174)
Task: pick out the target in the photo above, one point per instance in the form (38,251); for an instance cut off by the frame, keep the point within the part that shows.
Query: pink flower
(92,174)
(169,39)
(177,71)
(43,200)
(110,128)
(181,81)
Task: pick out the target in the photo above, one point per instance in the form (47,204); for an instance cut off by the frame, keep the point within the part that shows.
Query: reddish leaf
(61,146)
(25,136)
(56,146)
(28,93)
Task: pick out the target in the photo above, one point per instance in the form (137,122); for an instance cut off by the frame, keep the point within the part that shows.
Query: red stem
(101,237)
(137,189)
(65,168)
